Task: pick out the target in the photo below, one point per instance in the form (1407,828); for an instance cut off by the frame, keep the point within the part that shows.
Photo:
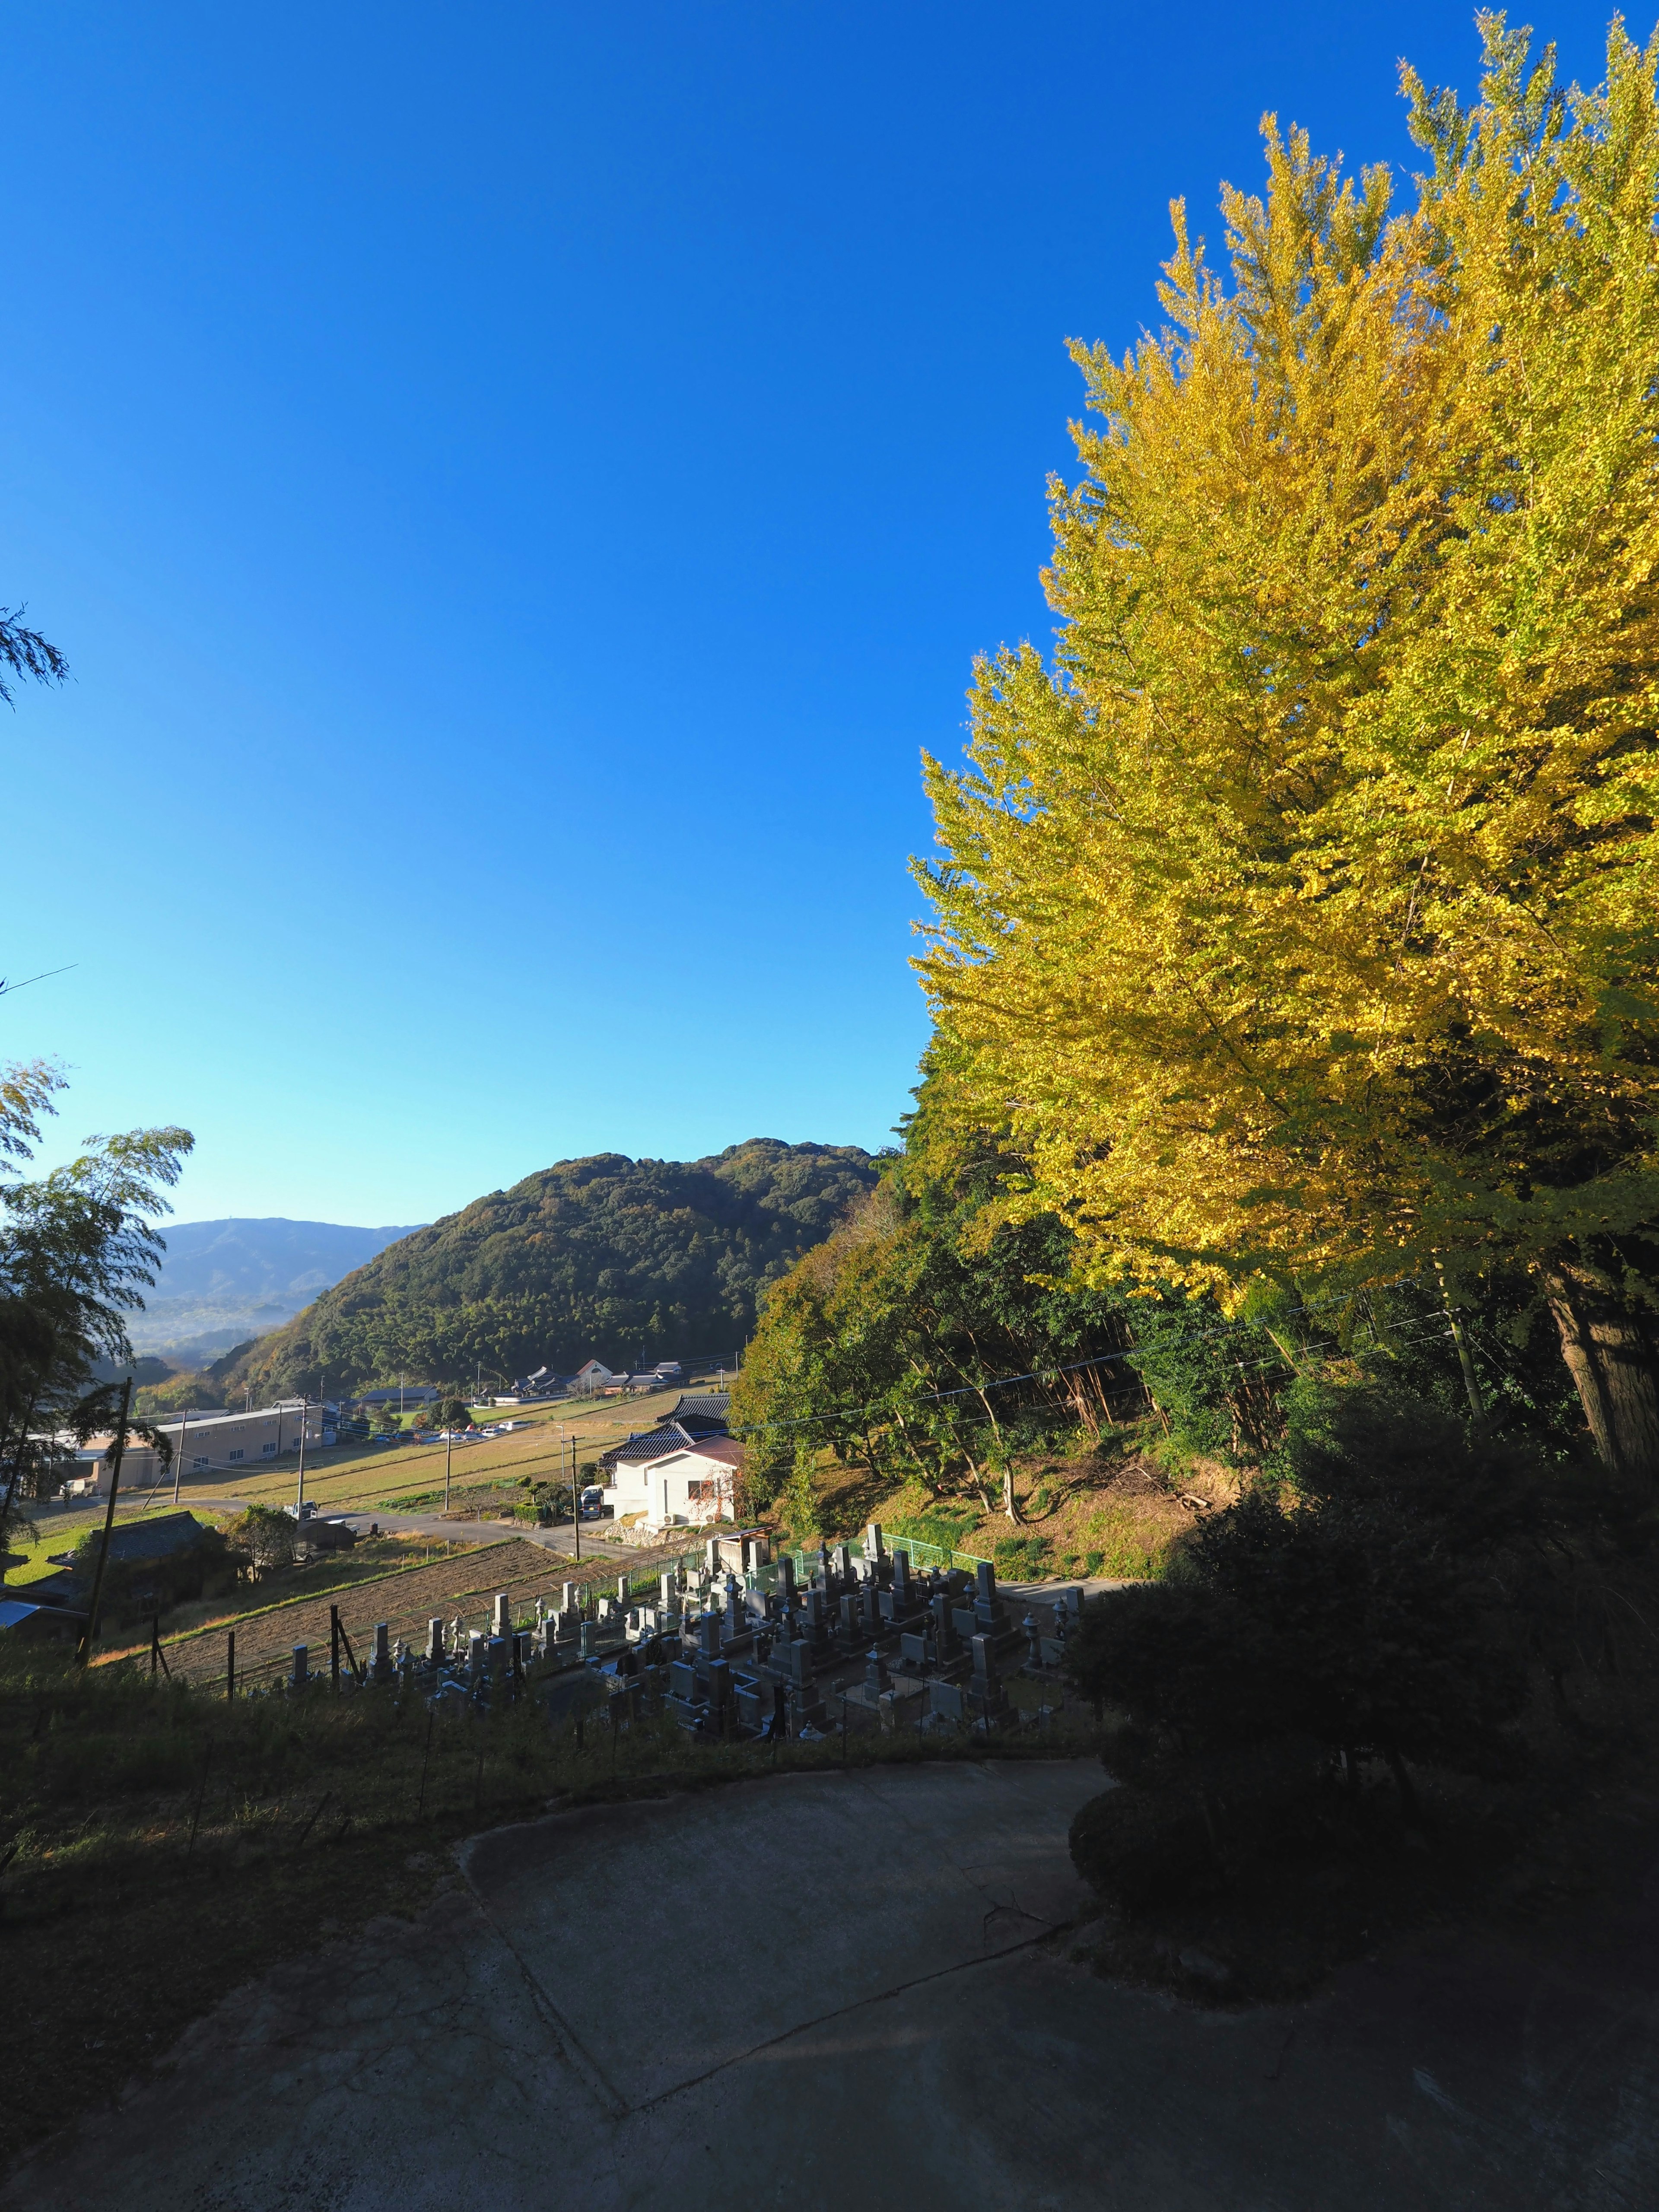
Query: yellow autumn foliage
(1302,913)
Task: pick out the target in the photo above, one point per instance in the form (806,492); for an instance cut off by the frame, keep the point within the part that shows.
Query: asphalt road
(559,1538)
(855,1989)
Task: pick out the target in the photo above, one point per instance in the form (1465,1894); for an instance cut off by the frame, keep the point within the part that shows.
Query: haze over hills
(222,1282)
(609,1257)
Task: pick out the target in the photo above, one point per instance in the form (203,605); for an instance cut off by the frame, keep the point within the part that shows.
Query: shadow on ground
(856,1989)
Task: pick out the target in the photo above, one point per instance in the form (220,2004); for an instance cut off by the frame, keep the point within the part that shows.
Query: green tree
(1306,908)
(78,1247)
(264,1537)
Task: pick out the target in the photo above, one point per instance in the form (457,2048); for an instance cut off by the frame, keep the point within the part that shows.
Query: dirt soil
(466,1584)
(1111,1511)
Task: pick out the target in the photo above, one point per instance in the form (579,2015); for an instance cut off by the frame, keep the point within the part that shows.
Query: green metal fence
(923,1557)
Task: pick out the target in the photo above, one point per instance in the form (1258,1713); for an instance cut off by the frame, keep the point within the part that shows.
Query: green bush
(1371,1601)
(1024,1559)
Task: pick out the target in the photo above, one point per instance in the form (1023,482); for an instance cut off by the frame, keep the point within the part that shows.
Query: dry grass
(1113,1510)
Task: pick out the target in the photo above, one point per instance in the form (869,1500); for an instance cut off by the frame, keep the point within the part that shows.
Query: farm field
(380,1475)
(360,1479)
(406,1599)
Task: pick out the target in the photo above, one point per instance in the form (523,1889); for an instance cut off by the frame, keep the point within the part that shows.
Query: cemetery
(734,1646)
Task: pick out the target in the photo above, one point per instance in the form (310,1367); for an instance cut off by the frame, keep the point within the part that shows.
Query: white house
(691,1484)
(594,1377)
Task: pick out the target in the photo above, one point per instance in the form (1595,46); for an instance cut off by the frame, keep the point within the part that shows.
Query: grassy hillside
(617,1259)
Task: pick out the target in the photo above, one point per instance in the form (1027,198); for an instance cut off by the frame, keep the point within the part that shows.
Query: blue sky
(519,487)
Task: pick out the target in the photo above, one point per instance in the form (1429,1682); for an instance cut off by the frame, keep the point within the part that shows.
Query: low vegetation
(136,1807)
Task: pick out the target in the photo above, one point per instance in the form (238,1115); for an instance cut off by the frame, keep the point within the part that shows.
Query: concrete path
(822,1992)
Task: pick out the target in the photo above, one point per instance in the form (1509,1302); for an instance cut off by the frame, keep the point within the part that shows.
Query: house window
(235,1455)
(268,1448)
(200,1466)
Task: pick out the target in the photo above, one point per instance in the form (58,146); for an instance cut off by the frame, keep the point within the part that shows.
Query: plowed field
(465,1584)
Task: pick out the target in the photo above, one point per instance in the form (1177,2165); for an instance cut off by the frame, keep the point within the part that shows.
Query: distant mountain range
(222,1282)
(624,1260)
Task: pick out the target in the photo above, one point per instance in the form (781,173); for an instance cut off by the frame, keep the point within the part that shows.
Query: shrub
(1359,1603)
(263,1537)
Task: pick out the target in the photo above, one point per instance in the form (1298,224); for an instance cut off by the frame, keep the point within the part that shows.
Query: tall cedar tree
(1304,910)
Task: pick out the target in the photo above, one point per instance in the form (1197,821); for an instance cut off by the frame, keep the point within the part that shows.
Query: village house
(689,1484)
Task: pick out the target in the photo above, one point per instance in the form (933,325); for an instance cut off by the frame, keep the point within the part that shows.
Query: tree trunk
(1609,1350)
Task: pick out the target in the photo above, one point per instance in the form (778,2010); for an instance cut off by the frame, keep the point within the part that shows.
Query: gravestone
(945,1629)
(622,1592)
(989,1612)
(945,1702)
(475,1656)
(501,1623)
(434,1643)
(590,1639)
(874,1550)
(382,1652)
(876,1676)
(301,1666)
(986,1700)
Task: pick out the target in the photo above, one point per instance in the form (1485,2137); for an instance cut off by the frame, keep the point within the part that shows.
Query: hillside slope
(221,1281)
(617,1259)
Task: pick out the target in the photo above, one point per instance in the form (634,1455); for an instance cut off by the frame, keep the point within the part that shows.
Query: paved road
(842,1990)
(559,1538)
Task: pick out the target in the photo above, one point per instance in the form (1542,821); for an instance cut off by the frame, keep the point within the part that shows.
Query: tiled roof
(153,1540)
(707,1408)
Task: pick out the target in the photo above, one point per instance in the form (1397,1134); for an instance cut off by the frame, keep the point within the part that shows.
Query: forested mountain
(620,1260)
(220,1282)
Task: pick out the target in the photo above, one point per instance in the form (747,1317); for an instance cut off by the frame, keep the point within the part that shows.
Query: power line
(1051,1374)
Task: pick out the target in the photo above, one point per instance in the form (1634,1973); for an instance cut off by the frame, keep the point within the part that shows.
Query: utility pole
(576,1500)
(117,1451)
(178,1464)
(449,1453)
(300,1499)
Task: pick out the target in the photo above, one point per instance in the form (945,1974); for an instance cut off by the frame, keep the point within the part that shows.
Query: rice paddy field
(405,1476)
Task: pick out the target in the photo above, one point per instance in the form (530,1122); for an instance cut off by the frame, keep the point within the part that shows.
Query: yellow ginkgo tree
(1302,912)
